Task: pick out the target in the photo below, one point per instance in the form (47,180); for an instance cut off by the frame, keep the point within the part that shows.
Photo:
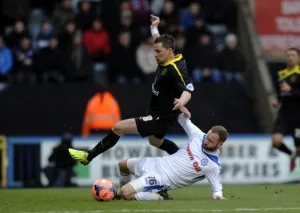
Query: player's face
(161,53)
(292,58)
(211,142)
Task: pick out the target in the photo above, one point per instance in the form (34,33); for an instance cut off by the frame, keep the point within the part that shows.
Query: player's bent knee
(277,139)
(118,128)
(155,141)
(123,167)
(128,192)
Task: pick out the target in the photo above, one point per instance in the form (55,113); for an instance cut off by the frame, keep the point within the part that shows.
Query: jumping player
(171,90)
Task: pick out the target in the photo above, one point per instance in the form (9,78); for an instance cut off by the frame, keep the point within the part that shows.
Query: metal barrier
(4,162)
(24,157)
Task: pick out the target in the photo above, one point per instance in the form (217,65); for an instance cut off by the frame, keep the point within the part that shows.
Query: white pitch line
(181,210)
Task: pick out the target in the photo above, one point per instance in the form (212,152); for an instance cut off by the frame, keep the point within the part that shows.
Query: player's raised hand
(154,21)
(177,104)
(186,112)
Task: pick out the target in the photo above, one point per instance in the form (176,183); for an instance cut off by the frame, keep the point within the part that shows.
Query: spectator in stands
(13,39)
(204,60)
(42,40)
(174,28)
(6,61)
(189,14)
(65,37)
(126,23)
(156,6)
(196,31)
(141,10)
(180,47)
(123,60)
(62,14)
(85,16)
(79,63)
(24,70)
(59,172)
(101,114)
(168,16)
(145,59)
(231,60)
(50,63)
(97,42)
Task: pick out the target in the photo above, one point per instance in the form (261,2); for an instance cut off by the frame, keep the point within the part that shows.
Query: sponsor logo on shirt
(195,163)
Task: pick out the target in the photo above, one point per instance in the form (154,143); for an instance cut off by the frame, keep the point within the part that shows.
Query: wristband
(154,31)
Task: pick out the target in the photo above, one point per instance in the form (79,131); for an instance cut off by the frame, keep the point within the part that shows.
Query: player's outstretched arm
(154,27)
(184,98)
(214,179)
(184,120)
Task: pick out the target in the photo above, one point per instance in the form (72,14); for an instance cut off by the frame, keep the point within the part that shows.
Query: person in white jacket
(197,160)
(145,58)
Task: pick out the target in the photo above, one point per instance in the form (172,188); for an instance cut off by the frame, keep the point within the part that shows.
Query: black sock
(106,143)
(169,146)
(284,148)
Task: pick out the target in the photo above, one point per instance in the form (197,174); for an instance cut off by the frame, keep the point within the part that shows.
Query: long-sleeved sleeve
(214,178)
(191,129)
(8,62)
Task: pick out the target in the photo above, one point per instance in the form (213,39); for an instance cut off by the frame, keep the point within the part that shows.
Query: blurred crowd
(109,41)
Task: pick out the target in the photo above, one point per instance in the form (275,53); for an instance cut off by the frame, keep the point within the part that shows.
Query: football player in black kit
(288,106)
(171,90)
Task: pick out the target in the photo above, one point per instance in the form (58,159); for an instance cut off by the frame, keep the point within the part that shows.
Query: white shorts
(148,179)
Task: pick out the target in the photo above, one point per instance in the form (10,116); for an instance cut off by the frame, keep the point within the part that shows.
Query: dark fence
(53,109)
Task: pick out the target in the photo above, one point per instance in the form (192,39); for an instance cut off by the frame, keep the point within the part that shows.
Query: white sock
(148,196)
(124,179)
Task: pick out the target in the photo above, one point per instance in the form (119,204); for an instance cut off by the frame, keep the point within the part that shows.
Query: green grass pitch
(258,198)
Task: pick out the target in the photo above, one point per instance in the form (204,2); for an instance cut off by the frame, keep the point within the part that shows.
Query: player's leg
(279,130)
(277,142)
(144,188)
(159,127)
(127,168)
(162,143)
(296,137)
(111,139)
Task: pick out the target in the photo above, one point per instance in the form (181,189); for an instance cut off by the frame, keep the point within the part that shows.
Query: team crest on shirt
(190,87)
(204,162)
(164,71)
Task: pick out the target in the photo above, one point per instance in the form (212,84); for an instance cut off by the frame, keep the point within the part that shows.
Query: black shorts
(153,125)
(288,123)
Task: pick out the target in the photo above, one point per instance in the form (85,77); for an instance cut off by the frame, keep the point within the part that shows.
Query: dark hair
(222,132)
(167,41)
(294,49)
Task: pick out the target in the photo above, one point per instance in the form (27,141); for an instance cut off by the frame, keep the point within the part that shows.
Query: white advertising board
(244,160)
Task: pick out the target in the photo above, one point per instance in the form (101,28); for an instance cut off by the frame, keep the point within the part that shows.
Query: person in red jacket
(97,42)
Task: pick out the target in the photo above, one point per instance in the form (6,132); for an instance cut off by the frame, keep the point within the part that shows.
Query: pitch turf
(262,198)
